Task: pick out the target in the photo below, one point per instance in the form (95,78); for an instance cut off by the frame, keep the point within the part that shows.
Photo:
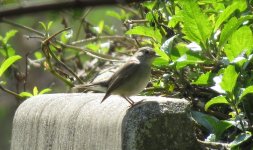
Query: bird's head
(146,54)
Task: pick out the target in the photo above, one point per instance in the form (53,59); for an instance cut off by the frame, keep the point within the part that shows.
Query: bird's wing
(121,76)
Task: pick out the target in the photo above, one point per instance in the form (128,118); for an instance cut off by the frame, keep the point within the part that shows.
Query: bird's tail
(97,86)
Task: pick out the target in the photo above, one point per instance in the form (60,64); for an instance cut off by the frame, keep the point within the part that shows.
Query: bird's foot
(133,104)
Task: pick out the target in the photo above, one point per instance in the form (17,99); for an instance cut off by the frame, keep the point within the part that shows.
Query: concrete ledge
(81,122)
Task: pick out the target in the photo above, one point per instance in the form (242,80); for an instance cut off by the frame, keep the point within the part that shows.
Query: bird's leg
(131,102)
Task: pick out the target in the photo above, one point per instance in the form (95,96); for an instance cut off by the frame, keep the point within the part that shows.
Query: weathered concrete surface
(81,122)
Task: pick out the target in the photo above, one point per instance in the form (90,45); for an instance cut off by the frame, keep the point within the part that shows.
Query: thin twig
(52,36)
(21,26)
(60,62)
(116,37)
(45,49)
(40,6)
(81,23)
(10,92)
(89,52)
(135,21)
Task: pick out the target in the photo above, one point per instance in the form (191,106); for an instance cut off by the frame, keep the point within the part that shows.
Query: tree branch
(32,7)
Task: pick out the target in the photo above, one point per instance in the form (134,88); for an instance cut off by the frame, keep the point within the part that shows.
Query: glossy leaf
(225,15)
(196,25)
(204,79)
(229,79)
(242,137)
(214,125)
(216,100)
(7,63)
(248,90)
(241,41)
(230,27)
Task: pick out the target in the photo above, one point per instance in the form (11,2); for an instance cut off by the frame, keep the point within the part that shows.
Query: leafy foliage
(205,48)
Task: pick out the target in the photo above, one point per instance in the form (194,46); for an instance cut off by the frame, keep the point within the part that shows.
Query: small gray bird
(130,79)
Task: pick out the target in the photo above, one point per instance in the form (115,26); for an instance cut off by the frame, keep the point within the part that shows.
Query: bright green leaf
(8,62)
(230,27)
(35,91)
(45,91)
(10,51)
(196,25)
(149,4)
(146,31)
(225,15)
(248,90)
(38,55)
(101,26)
(229,79)
(9,35)
(160,62)
(242,137)
(25,94)
(204,79)
(216,100)
(240,41)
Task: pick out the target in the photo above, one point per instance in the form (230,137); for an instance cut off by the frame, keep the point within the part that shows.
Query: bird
(130,79)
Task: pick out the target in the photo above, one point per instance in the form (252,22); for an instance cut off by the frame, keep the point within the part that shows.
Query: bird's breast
(136,82)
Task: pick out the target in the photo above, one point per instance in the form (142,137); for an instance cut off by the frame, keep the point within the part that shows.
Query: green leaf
(168,44)
(242,137)
(43,25)
(204,79)
(240,41)
(8,62)
(201,119)
(38,55)
(225,15)
(114,14)
(229,79)
(35,91)
(149,4)
(10,51)
(45,91)
(216,100)
(49,25)
(211,123)
(248,90)
(219,126)
(25,94)
(196,25)
(160,62)
(101,26)
(146,31)
(9,35)
(230,27)
(182,56)
(175,19)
